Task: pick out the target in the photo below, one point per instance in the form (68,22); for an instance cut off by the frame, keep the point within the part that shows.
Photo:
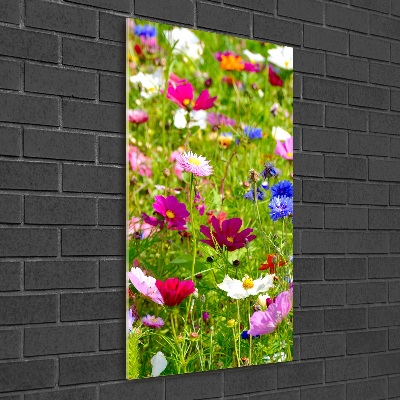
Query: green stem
(183,362)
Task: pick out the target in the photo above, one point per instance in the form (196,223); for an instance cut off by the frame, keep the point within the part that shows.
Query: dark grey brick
(382,6)
(9,11)
(27,44)
(112,336)
(367,242)
(367,292)
(112,27)
(345,268)
(309,61)
(99,241)
(345,167)
(100,56)
(112,150)
(384,219)
(295,374)
(10,344)
(395,8)
(88,178)
(10,273)
(26,242)
(373,389)
(384,123)
(322,242)
(280,395)
(395,147)
(309,269)
(28,175)
(394,338)
(394,386)
(368,193)
(384,364)
(60,18)
(394,291)
(369,145)
(60,274)
(112,212)
(394,195)
(10,209)
(342,369)
(42,308)
(382,315)
(384,267)
(10,74)
(112,88)
(94,368)
(318,191)
(181,11)
(346,218)
(316,294)
(92,306)
(134,389)
(346,118)
(324,90)
(324,140)
(60,340)
(308,10)
(384,170)
(395,100)
(306,164)
(320,346)
(60,210)
(308,216)
(366,342)
(83,393)
(112,273)
(347,18)
(35,110)
(341,319)
(308,113)
(276,30)
(369,96)
(26,375)
(101,117)
(347,68)
(10,141)
(395,242)
(385,74)
(326,39)
(308,321)
(60,81)
(267,6)
(59,145)
(121,5)
(337,392)
(384,26)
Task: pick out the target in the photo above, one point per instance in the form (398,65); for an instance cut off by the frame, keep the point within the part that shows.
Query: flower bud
(166,172)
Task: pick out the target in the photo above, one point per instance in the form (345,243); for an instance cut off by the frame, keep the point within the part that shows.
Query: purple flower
(268,171)
(199,203)
(172,210)
(216,120)
(206,316)
(152,322)
(281,207)
(250,195)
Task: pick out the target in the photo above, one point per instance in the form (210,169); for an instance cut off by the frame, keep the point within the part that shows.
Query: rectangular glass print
(209,201)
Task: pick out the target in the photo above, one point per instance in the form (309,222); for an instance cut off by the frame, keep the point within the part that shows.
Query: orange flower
(231,63)
(271,263)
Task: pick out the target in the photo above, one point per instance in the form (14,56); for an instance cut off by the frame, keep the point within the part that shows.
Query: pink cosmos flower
(139,227)
(152,322)
(139,162)
(174,212)
(174,291)
(137,116)
(177,168)
(216,120)
(182,94)
(193,163)
(144,284)
(227,234)
(263,322)
(285,149)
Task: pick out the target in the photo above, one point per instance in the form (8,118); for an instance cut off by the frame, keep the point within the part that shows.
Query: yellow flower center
(289,154)
(248,283)
(194,161)
(186,102)
(286,64)
(229,239)
(170,214)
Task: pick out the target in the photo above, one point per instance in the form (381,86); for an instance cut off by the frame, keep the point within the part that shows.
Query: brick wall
(62,123)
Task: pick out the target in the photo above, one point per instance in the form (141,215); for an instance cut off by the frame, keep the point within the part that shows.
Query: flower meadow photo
(209,201)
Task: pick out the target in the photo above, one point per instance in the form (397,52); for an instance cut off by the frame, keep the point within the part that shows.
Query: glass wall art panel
(209,201)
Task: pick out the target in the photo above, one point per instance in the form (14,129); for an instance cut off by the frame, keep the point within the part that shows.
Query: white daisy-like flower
(159,363)
(197,118)
(282,57)
(186,42)
(280,134)
(237,289)
(150,83)
(254,57)
(191,162)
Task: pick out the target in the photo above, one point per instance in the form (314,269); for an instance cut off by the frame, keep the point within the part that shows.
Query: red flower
(274,78)
(227,234)
(271,263)
(174,291)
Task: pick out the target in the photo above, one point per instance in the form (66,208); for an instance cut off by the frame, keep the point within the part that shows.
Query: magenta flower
(285,149)
(137,116)
(227,234)
(264,322)
(191,162)
(152,322)
(182,95)
(139,162)
(174,212)
(153,221)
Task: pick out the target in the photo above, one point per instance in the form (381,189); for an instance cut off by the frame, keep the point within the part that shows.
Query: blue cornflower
(268,171)
(281,207)
(282,188)
(250,195)
(147,31)
(253,133)
(245,335)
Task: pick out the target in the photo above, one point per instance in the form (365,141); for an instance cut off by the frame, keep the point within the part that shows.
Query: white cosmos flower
(280,134)
(253,57)
(197,118)
(159,363)
(282,57)
(187,42)
(149,83)
(237,289)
